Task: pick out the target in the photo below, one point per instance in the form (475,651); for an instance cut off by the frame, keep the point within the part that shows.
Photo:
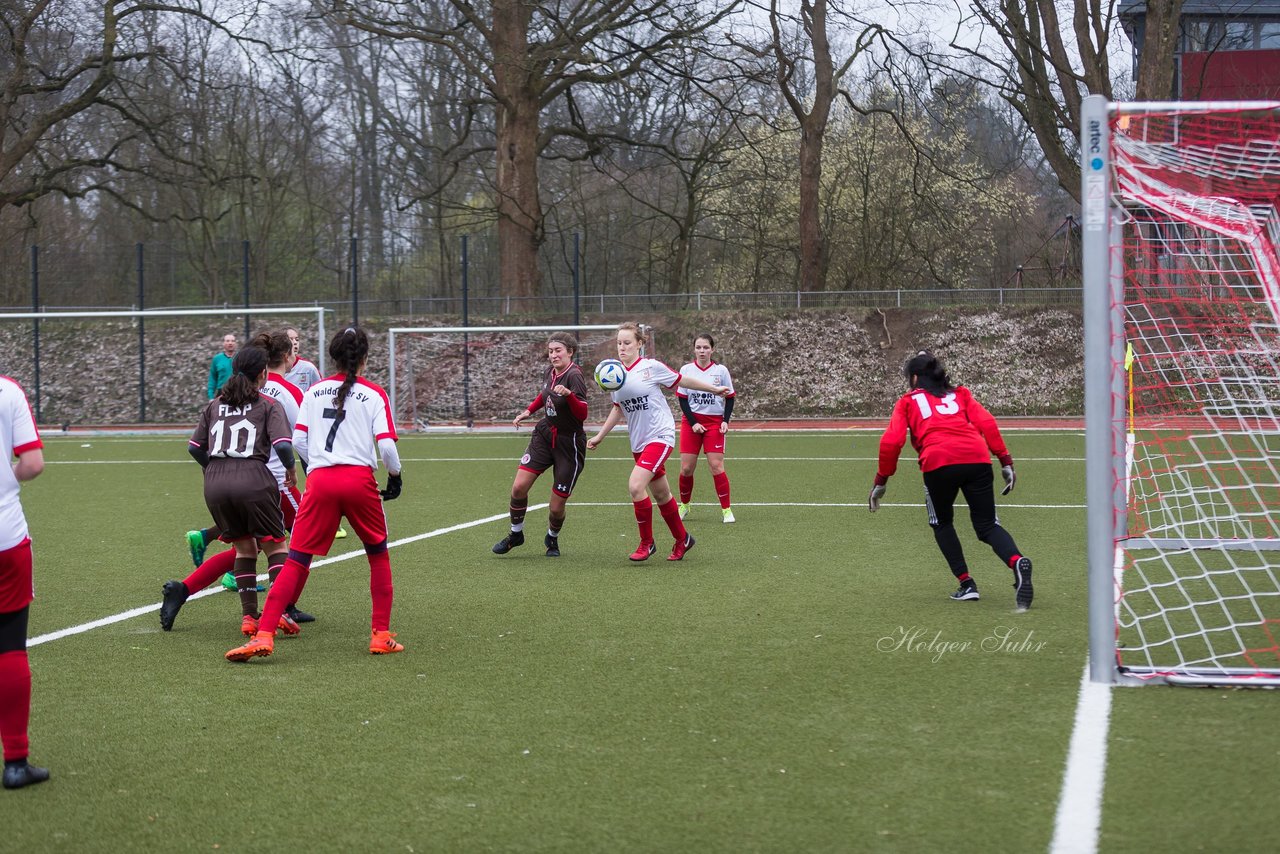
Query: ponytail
(277,344)
(242,387)
(348,349)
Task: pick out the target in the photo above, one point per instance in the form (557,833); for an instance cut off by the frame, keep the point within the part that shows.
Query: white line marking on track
(1075,828)
(209,591)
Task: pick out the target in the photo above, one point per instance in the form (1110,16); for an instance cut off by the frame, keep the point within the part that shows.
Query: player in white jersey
(653,437)
(343,427)
(301,372)
(706,420)
(18,438)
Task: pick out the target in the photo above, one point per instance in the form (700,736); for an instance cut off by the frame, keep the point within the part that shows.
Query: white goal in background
(1182,390)
(459,375)
(156,341)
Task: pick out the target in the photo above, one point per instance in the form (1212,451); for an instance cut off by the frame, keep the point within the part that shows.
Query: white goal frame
(1109,445)
(143,314)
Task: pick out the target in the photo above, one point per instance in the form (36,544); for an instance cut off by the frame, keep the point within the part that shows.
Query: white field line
(146,609)
(1075,828)
(509,459)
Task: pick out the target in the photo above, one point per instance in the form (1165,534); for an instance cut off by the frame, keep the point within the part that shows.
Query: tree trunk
(1155,65)
(520,221)
(813,268)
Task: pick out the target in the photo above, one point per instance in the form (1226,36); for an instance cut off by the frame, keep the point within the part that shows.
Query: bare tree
(528,56)
(62,63)
(809,77)
(1048,65)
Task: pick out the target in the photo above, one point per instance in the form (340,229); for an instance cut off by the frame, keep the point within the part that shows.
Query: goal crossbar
(142,314)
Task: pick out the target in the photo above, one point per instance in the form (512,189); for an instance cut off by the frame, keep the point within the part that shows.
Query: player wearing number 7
(954,436)
(344,426)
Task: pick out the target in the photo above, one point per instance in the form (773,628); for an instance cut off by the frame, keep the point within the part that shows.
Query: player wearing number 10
(955,437)
(344,425)
(238,431)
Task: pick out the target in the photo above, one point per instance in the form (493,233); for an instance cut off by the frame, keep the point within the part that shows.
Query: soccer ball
(610,375)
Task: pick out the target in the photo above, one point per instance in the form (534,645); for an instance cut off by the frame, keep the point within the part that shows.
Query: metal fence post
(244,276)
(35,324)
(355,281)
(466,343)
(142,338)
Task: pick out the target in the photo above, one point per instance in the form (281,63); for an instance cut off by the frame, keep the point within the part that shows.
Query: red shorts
(17,588)
(290,499)
(711,441)
(652,457)
(333,492)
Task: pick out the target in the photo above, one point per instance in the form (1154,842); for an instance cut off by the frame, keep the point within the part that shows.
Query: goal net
(1183,390)
(458,376)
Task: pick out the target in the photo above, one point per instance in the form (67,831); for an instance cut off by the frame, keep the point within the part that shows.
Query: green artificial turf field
(800,682)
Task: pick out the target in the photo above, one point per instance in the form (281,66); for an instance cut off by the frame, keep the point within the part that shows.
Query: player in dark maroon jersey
(955,438)
(237,432)
(279,349)
(558,442)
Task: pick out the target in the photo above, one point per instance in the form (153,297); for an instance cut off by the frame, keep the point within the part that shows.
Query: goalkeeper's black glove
(392,492)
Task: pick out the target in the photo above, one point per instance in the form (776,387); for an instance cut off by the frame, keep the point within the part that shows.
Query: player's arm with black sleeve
(688,411)
(728,408)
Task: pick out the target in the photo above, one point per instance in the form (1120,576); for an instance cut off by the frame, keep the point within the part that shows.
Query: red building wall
(1234,75)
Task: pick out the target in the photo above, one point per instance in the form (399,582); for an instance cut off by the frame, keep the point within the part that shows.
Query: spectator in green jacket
(220,367)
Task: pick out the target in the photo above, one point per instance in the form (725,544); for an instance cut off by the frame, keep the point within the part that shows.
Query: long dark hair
(928,373)
(246,366)
(348,349)
(277,344)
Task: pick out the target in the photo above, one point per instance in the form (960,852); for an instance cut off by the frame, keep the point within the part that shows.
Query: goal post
(139,318)
(464,374)
(1182,390)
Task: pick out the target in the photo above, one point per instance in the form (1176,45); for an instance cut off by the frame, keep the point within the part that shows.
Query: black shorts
(564,454)
(244,500)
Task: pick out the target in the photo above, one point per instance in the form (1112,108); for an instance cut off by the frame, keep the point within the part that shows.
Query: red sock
(686,488)
(287,589)
(210,571)
(644,518)
(15,703)
(722,487)
(1013,561)
(671,515)
(963,577)
(380,590)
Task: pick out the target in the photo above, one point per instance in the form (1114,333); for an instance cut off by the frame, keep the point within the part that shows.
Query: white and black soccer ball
(610,375)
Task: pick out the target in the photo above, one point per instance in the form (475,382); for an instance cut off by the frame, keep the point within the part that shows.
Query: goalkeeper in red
(954,436)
